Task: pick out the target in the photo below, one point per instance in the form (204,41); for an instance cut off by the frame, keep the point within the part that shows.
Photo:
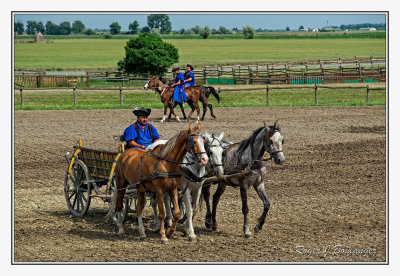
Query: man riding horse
(189,76)
(179,95)
(140,134)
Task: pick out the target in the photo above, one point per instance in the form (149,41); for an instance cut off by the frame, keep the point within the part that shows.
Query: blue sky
(213,20)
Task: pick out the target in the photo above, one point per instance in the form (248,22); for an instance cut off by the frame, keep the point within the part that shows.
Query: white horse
(192,181)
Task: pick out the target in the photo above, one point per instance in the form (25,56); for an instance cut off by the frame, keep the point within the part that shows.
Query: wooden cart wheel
(77,189)
(111,191)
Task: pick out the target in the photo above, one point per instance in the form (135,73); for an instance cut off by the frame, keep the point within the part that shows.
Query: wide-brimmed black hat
(191,67)
(142,111)
(175,69)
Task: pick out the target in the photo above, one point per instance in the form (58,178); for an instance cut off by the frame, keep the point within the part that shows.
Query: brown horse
(194,94)
(155,171)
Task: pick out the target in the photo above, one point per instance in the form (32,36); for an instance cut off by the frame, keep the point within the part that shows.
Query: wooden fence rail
(267,89)
(318,71)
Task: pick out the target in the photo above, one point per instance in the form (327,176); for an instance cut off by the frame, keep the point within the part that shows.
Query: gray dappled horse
(247,156)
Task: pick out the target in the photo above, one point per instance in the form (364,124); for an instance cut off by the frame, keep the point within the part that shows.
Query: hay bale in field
(39,38)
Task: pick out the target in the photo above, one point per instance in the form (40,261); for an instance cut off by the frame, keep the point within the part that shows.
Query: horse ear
(221,136)
(190,128)
(276,125)
(198,127)
(266,127)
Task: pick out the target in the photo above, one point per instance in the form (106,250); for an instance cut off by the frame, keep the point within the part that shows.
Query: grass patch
(43,100)
(75,54)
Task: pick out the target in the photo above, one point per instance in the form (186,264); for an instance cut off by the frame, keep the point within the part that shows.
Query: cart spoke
(75,198)
(72,194)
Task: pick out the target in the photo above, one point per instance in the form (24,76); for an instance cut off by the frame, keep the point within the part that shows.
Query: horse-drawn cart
(90,174)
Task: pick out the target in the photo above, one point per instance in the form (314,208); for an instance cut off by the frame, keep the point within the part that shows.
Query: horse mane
(169,145)
(245,143)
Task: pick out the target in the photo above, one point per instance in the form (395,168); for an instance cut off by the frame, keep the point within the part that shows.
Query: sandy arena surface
(328,201)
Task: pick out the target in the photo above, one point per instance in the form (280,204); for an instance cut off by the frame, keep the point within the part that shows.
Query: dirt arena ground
(328,201)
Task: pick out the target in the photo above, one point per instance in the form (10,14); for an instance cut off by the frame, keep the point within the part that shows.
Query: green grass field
(42,100)
(71,54)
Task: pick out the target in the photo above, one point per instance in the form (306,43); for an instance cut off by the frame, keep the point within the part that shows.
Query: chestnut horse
(194,94)
(155,171)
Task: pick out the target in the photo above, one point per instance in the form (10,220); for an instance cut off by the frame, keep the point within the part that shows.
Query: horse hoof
(215,117)
(247,235)
(208,225)
(257,230)
(215,227)
(164,241)
(192,238)
(121,232)
(142,238)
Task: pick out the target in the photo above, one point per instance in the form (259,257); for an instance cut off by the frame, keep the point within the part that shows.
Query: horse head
(214,151)
(195,144)
(273,142)
(154,82)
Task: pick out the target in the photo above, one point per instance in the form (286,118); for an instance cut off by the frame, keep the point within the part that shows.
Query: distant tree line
(156,24)
(380,26)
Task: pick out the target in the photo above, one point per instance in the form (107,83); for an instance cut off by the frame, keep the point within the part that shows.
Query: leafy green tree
(51,28)
(223,30)
(197,29)
(77,27)
(30,27)
(301,28)
(145,30)
(65,28)
(182,31)
(115,28)
(155,31)
(40,27)
(248,32)
(159,21)
(204,33)
(148,53)
(287,29)
(134,27)
(19,28)
(90,32)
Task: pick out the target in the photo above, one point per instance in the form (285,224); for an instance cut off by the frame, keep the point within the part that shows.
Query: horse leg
(204,111)
(169,116)
(189,213)
(245,210)
(190,103)
(211,110)
(156,219)
(196,194)
(161,216)
(166,103)
(205,190)
(260,189)
(217,195)
(167,204)
(183,111)
(198,112)
(173,112)
(140,205)
(118,209)
(174,196)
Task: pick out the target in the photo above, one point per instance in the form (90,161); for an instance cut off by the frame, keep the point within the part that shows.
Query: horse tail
(114,197)
(111,209)
(216,95)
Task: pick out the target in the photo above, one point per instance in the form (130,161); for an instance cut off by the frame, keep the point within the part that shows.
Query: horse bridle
(190,143)
(212,165)
(267,148)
